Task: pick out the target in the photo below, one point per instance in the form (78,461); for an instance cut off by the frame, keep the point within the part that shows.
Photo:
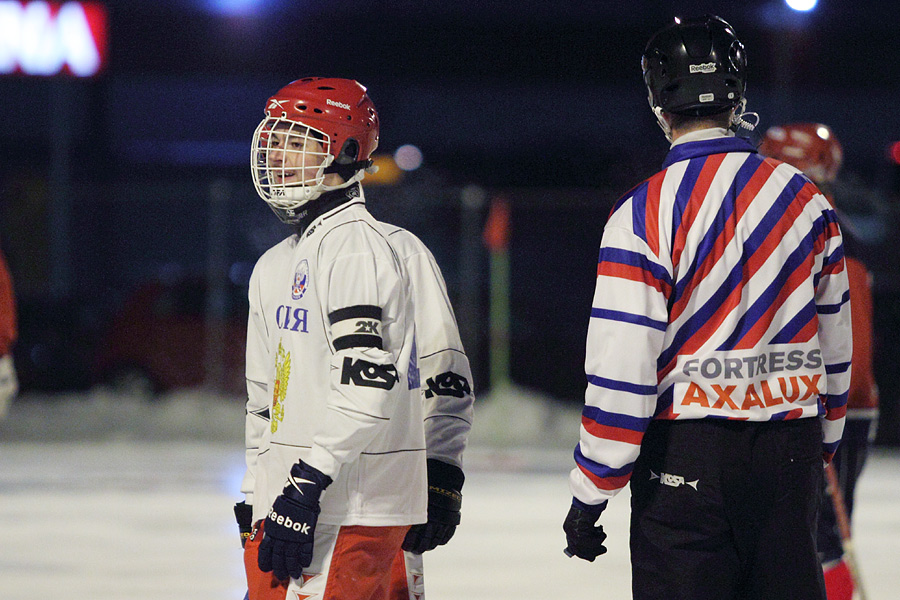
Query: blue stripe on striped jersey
(622,386)
(624,317)
(616,419)
(664,400)
(837,368)
(599,469)
(835,401)
(797,322)
(830,309)
(725,212)
(689,150)
(639,210)
(832,447)
(685,189)
(634,259)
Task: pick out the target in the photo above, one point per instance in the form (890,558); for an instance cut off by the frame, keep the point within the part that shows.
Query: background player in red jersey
(9,384)
(814,149)
(718,350)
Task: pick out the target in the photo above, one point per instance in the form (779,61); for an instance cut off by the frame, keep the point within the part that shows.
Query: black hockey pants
(726,510)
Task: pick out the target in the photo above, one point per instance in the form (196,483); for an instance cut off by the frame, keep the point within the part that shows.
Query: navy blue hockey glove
(584,538)
(445,483)
(287,543)
(243,514)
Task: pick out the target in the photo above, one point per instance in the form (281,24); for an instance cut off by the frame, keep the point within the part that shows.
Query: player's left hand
(584,537)
(243,514)
(445,483)
(287,544)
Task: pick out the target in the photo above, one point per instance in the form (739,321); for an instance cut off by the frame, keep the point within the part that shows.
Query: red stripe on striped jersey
(831,230)
(606,483)
(807,332)
(632,273)
(692,207)
(607,432)
(793,414)
(835,267)
(838,412)
(651,224)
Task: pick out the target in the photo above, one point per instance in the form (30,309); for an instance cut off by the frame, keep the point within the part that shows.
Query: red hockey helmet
(313,127)
(811,147)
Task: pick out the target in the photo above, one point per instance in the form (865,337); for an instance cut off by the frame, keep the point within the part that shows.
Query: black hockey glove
(287,543)
(445,483)
(243,514)
(584,538)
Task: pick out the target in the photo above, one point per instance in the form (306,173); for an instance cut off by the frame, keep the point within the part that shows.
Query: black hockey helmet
(695,67)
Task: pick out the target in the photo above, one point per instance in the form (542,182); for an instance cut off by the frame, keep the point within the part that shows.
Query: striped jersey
(721,293)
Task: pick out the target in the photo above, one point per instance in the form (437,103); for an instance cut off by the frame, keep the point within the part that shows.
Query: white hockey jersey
(331,373)
(444,370)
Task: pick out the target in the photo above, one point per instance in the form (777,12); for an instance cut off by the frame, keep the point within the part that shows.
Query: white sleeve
(446,377)
(366,387)
(257,414)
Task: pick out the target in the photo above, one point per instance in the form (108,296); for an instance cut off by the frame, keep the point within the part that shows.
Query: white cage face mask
(288,161)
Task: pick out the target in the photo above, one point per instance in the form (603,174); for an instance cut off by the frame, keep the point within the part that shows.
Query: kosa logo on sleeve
(447,384)
(363,373)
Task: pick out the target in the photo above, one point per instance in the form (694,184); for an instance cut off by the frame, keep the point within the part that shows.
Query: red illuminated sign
(52,38)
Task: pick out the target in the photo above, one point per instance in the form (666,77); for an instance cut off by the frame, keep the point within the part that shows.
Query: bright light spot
(823,132)
(408,157)
(235,8)
(801,5)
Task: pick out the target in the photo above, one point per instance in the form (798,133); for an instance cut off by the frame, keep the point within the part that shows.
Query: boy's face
(294,158)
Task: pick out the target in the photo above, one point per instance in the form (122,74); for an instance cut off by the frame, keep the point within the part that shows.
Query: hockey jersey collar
(709,142)
(329,203)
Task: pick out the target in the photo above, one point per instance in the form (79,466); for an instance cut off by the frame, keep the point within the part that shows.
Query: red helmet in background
(313,127)
(811,147)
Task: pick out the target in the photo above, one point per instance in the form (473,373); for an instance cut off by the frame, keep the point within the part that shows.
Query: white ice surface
(137,510)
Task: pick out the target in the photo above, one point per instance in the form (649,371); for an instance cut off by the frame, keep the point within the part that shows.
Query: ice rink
(141,509)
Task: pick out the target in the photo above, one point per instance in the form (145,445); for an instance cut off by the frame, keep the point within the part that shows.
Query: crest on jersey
(279,391)
(301,280)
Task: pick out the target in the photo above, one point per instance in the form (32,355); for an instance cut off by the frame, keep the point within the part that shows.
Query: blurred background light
(801,5)
(894,152)
(408,157)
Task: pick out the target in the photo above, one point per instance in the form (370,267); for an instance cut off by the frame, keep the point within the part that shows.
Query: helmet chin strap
(739,118)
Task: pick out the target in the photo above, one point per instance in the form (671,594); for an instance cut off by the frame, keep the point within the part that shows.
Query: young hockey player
(718,348)
(336,452)
(814,149)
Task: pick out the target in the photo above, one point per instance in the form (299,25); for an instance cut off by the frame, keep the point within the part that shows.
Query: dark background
(139,176)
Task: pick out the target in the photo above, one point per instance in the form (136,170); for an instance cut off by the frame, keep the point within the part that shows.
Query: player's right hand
(287,544)
(584,537)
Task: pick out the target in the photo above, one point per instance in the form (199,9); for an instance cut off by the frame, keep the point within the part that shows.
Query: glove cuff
(593,510)
(444,475)
(305,484)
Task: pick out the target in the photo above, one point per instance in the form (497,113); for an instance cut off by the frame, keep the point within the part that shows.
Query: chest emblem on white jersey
(282,374)
(301,280)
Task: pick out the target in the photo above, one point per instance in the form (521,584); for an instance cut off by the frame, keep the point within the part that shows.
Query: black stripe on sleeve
(359,340)
(366,311)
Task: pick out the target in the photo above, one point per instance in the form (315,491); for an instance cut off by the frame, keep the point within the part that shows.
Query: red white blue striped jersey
(721,293)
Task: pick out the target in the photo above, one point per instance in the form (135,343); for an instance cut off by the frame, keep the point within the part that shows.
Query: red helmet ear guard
(810,147)
(340,108)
